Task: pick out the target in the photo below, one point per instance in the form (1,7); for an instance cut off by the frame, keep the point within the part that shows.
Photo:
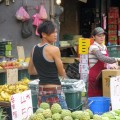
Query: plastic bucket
(99,105)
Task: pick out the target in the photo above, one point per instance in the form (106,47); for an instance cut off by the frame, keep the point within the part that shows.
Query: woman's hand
(112,66)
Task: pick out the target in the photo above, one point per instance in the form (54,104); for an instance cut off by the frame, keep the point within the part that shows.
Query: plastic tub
(99,105)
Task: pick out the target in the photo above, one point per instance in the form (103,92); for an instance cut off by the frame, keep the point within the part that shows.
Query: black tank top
(47,70)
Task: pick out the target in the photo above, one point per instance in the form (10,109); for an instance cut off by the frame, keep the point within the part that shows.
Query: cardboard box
(68,59)
(106,74)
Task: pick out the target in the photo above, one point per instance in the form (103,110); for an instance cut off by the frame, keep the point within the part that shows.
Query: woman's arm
(103,58)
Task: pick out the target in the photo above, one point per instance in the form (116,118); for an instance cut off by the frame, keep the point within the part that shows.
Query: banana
(3,95)
(1,99)
(12,87)
(23,87)
(25,80)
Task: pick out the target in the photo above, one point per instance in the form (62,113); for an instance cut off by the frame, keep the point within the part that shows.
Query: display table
(4,104)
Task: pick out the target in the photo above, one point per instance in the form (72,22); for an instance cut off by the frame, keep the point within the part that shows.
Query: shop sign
(21,53)
(115,92)
(21,105)
(12,76)
(83,68)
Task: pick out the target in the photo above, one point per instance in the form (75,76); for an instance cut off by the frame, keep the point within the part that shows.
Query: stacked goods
(15,63)
(7,90)
(113,16)
(5,48)
(55,112)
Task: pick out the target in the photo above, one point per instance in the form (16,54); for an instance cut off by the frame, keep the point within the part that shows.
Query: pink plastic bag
(42,12)
(36,32)
(36,20)
(21,14)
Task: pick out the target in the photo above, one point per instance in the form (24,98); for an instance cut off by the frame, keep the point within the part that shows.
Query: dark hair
(47,27)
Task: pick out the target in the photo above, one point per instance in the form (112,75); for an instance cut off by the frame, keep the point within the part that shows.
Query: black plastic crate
(72,71)
(6,109)
(23,73)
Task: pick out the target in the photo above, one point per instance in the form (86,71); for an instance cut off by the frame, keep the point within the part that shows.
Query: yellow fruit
(25,80)
(3,95)
(23,87)
(20,60)
(17,90)
(11,87)
(27,59)
(1,99)
(1,68)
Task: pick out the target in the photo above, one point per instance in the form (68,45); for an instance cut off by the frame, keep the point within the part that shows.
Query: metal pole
(52,14)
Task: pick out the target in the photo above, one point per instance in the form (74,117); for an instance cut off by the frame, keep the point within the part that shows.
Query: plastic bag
(22,14)
(70,85)
(42,12)
(26,30)
(36,20)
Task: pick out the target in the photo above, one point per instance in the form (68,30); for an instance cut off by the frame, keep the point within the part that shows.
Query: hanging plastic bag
(36,20)
(36,32)
(42,12)
(26,30)
(22,14)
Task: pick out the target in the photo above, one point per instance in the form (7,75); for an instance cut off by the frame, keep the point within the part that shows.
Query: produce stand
(22,72)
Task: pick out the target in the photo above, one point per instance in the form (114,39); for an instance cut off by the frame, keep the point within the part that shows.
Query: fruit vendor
(46,61)
(98,60)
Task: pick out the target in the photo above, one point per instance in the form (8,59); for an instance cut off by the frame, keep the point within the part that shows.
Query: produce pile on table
(14,63)
(7,90)
(55,112)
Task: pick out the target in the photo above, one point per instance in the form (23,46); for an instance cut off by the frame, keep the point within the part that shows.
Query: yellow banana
(3,95)
(1,99)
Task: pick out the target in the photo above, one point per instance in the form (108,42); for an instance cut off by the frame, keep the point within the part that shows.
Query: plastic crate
(72,71)
(6,109)
(114,50)
(2,78)
(83,45)
(23,73)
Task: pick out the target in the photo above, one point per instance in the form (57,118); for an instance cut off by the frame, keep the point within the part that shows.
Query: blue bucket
(99,105)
